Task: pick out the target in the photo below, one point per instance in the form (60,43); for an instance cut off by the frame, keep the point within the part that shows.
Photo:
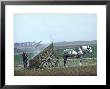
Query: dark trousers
(25,63)
(65,60)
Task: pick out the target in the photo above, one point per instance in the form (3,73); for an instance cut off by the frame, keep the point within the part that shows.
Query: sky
(56,27)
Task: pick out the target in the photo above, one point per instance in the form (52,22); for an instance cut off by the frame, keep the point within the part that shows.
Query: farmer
(65,58)
(24,56)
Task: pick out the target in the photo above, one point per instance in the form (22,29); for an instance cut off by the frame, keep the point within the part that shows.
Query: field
(70,71)
(88,67)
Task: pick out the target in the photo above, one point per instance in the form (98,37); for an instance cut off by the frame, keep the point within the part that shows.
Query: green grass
(69,71)
(88,68)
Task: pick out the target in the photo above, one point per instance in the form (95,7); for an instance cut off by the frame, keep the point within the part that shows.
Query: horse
(82,50)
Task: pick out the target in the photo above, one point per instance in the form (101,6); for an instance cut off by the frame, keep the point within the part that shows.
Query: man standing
(65,58)
(24,56)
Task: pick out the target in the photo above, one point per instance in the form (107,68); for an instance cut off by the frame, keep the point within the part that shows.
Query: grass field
(69,71)
(88,68)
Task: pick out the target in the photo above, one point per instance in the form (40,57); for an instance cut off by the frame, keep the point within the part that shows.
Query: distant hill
(75,43)
(31,46)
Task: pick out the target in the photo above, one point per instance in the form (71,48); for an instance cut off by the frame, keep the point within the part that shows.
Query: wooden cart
(44,59)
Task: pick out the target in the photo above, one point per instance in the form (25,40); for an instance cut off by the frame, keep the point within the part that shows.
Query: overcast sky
(56,27)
